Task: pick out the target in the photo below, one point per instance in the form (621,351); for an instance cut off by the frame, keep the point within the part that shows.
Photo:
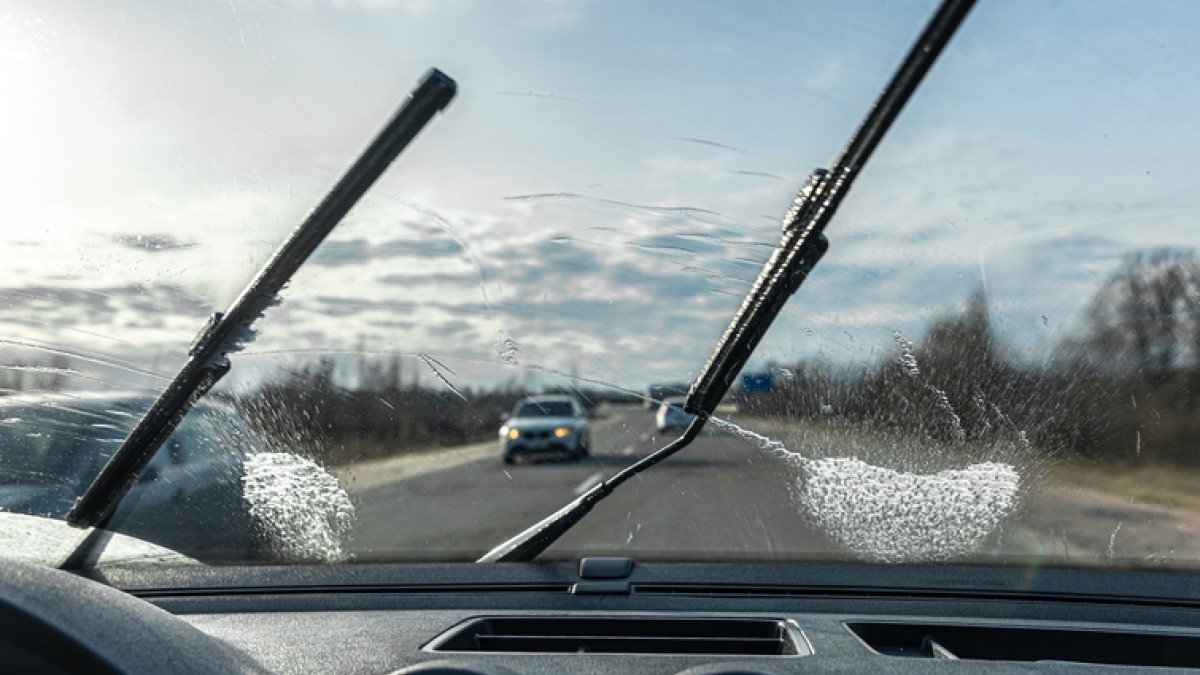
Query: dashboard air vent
(625,635)
(1021,643)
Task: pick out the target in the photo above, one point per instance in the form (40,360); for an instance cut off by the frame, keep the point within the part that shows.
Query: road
(722,497)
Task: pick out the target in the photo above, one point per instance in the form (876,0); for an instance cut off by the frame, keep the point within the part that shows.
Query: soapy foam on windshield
(300,508)
(885,515)
(890,516)
(906,357)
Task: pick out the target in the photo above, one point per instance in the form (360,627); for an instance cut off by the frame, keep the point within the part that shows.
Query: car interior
(416,544)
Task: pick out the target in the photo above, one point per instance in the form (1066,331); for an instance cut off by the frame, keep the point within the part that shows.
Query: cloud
(412,7)
(351,306)
(392,324)
(145,324)
(757,174)
(338,253)
(432,279)
(633,226)
(690,245)
(152,243)
(90,303)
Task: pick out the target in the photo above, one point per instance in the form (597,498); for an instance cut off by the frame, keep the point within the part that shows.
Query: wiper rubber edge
(802,246)
(229,331)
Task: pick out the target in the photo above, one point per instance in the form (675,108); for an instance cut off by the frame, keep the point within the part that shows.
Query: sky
(602,192)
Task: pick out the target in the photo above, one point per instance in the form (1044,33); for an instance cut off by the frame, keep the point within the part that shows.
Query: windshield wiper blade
(804,242)
(229,331)
(802,246)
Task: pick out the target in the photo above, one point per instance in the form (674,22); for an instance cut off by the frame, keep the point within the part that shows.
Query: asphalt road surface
(722,497)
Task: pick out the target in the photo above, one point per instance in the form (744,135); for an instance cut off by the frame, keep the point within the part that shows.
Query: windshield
(39,451)
(546,409)
(996,361)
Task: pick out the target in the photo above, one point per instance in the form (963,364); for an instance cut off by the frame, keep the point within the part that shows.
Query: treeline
(382,413)
(1125,385)
(381,409)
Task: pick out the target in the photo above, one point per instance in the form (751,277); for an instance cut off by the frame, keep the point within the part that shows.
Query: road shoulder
(363,476)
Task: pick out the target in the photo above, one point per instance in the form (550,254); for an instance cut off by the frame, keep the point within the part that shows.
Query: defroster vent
(625,635)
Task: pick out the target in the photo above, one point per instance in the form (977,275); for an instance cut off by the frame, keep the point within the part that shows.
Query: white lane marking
(627,451)
(589,482)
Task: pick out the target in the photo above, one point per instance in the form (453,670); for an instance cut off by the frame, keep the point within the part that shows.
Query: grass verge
(1151,483)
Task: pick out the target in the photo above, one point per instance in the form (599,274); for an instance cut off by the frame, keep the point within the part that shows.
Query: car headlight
(513,434)
(562,432)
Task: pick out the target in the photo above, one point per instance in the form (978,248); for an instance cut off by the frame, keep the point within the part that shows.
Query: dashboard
(615,617)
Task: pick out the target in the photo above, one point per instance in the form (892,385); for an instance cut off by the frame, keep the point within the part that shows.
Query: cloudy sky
(602,192)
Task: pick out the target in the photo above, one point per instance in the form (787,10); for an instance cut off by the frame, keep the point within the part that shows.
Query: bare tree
(1144,318)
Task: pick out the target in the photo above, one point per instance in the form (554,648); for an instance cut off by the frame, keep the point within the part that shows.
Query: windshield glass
(39,451)
(546,409)
(997,359)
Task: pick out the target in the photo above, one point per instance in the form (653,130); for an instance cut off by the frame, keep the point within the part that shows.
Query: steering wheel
(54,622)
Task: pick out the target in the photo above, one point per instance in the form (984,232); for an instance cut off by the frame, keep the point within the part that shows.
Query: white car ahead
(671,415)
(545,425)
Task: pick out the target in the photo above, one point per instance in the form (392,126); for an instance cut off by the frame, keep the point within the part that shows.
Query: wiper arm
(804,242)
(229,331)
(802,246)
(537,538)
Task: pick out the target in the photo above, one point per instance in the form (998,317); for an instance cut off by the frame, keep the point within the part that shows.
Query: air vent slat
(625,635)
(628,645)
(1021,643)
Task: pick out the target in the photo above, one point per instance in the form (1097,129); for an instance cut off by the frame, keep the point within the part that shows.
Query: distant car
(189,498)
(671,415)
(657,392)
(545,425)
